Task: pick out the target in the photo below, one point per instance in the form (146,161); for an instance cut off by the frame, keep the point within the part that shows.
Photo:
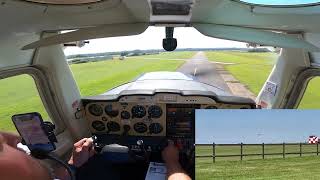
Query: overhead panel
(170,11)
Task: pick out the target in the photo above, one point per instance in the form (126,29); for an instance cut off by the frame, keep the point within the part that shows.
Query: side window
(311,97)
(18,95)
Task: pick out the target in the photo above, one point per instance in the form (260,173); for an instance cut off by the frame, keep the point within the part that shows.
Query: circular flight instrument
(95,110)
(125,115)
(113,126)
(110,111)
(98,125)
(155,111)
(155,128)
(138,111)
(140,127)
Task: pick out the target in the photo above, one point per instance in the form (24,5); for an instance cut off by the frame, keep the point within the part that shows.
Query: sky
(187,37)
(281,2)
(256,126)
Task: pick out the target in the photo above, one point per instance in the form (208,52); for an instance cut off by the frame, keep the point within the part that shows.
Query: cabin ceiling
(23,21)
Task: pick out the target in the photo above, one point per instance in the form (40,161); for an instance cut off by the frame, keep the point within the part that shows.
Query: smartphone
(31,128)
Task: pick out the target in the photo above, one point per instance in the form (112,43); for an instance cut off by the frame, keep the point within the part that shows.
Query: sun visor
(104,31)
(257,36)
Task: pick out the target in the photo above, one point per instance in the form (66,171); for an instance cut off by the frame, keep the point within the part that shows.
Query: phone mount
(49,128)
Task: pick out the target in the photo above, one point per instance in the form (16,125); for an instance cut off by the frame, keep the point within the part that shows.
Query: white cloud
(187,37)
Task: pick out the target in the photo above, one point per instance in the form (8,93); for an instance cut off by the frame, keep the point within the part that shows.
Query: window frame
(44,92)
(300,87)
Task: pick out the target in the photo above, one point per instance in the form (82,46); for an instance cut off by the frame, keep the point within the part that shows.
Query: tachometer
(110,111)
(125,115)
(95,109)
(140,127)
(138,111)
(155,111)
(113,126)
(98,125)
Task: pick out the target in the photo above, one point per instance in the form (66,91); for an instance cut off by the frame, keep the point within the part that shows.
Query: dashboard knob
(140,142)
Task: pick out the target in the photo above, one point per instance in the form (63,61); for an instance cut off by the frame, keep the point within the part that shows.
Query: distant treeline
(156,51)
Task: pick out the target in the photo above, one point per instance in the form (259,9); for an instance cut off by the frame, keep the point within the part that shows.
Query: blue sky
(256,126)
(281,2)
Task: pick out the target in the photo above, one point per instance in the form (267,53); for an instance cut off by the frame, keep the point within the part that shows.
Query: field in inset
(254,167)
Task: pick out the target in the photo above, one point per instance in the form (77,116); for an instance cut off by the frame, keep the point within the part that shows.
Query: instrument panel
(145,115)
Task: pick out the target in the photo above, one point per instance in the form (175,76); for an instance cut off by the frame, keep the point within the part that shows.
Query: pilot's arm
(170,156)
(82,151)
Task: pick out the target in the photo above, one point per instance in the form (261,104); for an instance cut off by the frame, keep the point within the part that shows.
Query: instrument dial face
(95,109)
(155,111)
(155,128)
(110,111)
(113,126)
(138,111)
(98,125)
(140,127)
(125,115)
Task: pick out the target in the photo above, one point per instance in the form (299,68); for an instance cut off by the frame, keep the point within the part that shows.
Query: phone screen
(30,129)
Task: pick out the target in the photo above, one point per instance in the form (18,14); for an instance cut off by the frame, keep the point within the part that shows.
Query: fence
(238,150)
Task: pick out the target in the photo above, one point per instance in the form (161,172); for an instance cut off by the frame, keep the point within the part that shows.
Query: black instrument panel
(142,115)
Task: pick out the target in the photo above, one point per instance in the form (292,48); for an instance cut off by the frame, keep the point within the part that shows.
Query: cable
(41,154)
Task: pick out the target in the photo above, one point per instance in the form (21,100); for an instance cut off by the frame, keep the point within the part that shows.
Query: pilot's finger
(11,139)
(87,144)
(80,143)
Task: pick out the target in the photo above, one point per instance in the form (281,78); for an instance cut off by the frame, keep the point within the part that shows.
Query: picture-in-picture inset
(263,144)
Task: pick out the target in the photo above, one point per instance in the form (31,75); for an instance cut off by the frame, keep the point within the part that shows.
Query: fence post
(262,150)
(283,150)
(300,149)
(213,152)
(317,149)
(241,151)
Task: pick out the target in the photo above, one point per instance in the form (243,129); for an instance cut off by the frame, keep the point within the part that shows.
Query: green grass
(98,77)
(19,94)
(272,167)
(294,168)
(252,69)
(311,97)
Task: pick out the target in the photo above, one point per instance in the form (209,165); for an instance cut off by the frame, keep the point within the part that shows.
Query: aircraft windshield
(282,2)
(234,68)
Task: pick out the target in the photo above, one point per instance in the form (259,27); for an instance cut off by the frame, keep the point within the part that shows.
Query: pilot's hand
(10,139)
(170,154)
(82,151)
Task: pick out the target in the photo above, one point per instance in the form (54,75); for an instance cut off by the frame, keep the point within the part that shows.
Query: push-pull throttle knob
(140,142)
